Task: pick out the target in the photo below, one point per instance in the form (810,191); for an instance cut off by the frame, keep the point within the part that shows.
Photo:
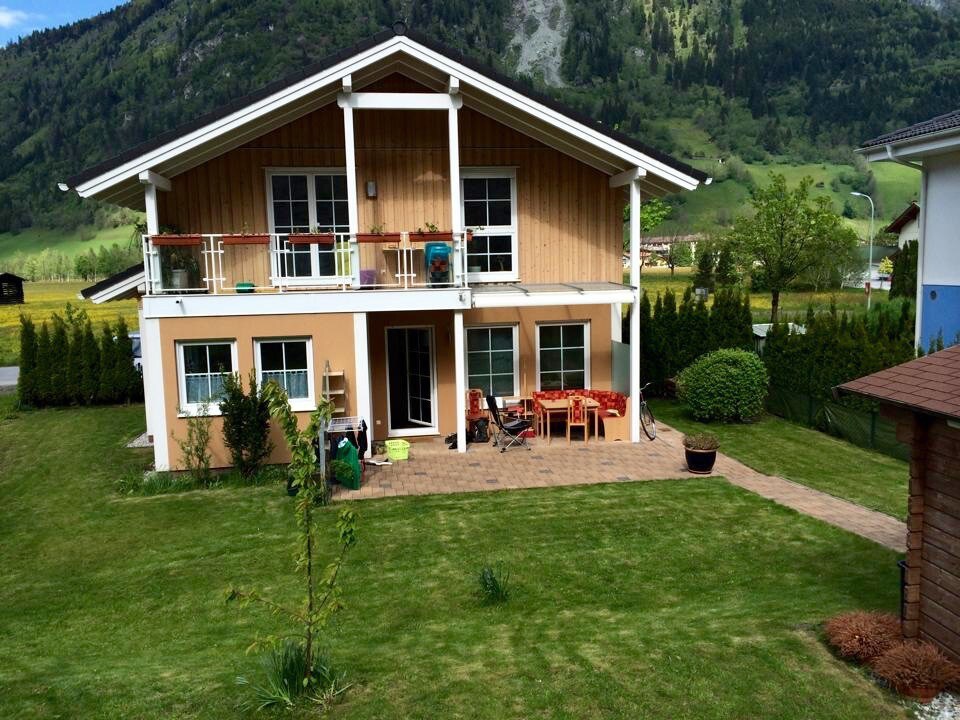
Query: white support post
(362,383)
(460,363)
(634,311)
(456,211)
(353,208)
(151,264)
(153,393)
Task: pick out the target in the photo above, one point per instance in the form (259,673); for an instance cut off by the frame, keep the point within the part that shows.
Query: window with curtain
(492,360)
(287,362)
(563,356)
(202,367)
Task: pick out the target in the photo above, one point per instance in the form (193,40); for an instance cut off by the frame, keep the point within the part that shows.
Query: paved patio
(433,469)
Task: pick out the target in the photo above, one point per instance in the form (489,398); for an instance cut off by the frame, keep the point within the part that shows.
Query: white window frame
(586,347)
(275,266)
(185,409)
(494,173)
(516,353)
(307,404)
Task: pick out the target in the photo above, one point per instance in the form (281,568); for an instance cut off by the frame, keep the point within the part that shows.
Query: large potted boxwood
(701,452)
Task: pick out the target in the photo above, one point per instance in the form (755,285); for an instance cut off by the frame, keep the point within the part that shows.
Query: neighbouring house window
(492,360)
(489,210)
(305,202)
(289,364)
(202,366)
(563,356)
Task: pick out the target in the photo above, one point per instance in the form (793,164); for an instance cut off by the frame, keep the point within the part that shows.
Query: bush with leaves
(195,447)
(27,381)
(322,592)
(726,385)
(246,423)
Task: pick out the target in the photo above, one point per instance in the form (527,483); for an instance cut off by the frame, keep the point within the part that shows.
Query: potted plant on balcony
(245,237)
(700,450)
(432,234)
(312,237)
(377,235)
(184,269)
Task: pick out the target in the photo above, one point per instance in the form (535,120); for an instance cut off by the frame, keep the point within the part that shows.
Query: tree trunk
(774,305)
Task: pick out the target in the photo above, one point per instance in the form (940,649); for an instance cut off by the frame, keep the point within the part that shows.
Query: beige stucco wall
(333,341)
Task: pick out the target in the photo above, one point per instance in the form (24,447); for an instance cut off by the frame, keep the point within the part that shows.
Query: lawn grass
(672,599)
(777,447)
(793,303)
(43,299)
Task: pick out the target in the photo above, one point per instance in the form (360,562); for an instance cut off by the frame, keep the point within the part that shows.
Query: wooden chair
(617,427)
(578,416)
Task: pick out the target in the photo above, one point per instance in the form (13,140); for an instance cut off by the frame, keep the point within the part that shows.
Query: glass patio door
(411,381)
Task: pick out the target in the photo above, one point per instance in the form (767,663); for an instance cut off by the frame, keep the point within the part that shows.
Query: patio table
(551,407)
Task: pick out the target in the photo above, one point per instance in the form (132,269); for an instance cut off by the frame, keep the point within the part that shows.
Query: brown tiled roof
(941,123)
(911,213)
(928,384)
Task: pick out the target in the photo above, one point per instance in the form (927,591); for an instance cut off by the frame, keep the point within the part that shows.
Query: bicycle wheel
(647,422)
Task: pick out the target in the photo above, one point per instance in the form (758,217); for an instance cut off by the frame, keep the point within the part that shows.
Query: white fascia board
(304,302)
(547,299)
(627,177)
(521,102)
(118,290)
(250,113)
(398,101)
(335,75)
(903,151)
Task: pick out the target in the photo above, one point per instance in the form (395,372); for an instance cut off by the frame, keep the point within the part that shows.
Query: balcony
(229,264)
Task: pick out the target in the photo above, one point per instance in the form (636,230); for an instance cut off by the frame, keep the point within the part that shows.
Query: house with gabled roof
(389,227)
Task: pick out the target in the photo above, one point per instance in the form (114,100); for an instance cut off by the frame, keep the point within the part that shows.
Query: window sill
(302,405)
(194,411)
(492,277)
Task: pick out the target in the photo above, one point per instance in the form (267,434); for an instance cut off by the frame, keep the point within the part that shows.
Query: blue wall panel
(941,314)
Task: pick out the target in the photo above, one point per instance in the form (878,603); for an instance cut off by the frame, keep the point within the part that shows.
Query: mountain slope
(797,81)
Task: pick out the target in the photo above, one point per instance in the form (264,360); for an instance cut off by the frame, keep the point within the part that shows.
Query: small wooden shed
(11,289)
(923,397)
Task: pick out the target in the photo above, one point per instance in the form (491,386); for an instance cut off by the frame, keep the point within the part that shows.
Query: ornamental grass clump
(493,585)
(725,386)
(916,668)
(863,636)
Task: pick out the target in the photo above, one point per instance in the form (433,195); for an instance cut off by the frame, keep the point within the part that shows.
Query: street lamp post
(870,261)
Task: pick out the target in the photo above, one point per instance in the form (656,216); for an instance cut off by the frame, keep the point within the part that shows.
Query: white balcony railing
(221,264)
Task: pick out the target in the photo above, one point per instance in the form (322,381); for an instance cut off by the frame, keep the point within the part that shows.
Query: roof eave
(117,181)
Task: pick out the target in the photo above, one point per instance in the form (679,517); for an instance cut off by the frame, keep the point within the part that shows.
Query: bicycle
(647,422)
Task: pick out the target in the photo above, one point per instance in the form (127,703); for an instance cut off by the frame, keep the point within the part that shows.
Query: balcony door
(411,381)
(303,202)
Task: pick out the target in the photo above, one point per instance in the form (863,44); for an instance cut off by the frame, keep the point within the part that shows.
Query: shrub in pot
(916,669)
(725,385)
(701,452)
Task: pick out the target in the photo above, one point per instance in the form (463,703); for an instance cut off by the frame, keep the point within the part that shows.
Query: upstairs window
(301,202)
(490,211)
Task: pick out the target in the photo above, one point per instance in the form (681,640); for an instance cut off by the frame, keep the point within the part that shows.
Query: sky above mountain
(19,18)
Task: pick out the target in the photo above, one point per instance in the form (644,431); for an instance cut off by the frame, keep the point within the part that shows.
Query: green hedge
(725,385)
(65,363)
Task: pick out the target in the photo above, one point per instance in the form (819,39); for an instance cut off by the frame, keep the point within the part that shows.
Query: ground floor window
(201,367)
(288,362)
(492,360)
(563,356)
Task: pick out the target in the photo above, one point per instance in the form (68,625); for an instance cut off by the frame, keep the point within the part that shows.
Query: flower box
(176,240)
(246,239)
(393,237)
(311,238)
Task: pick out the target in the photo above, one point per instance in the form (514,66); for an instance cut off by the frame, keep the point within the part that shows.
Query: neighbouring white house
(906,226)
(933,148)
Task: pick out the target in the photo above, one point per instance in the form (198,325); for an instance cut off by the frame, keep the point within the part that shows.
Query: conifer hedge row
(66,363)
(672,337)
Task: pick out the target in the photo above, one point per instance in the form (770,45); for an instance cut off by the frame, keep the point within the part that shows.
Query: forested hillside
(765,80)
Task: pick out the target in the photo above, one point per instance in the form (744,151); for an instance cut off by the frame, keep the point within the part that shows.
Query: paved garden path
(433,469)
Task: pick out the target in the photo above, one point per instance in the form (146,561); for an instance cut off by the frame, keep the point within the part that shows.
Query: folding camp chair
(511,433)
